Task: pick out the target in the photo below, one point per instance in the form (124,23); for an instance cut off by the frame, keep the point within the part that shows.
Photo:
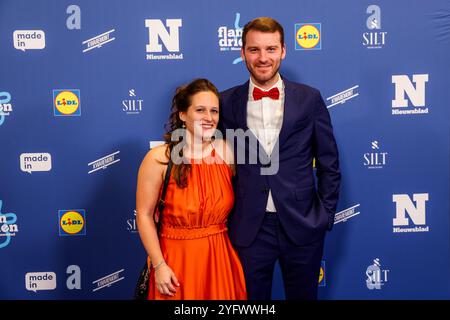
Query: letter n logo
(404,85)
(405,205)
(156,31)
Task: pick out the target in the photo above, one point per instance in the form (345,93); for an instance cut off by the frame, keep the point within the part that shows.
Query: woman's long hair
(180,103)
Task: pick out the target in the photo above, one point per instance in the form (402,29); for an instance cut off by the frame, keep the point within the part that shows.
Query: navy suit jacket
(305,206)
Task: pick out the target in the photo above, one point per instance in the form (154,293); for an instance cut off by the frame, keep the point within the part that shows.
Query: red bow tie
(273,93)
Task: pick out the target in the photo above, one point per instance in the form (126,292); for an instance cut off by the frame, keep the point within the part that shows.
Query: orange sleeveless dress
(194,239)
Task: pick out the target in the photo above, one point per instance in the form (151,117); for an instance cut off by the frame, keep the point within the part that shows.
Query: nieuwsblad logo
(308,36)
(29,39)
(35,162)
(376,276)
(8,227)
(5,106)
(168,34)
(132,105)
(416,211)
(376,159)
(72,222)
(416,94)
(230,39)
(66,102)
(375,38)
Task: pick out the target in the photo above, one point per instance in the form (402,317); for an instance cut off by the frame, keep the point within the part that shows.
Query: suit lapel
(240,106)
(290,106)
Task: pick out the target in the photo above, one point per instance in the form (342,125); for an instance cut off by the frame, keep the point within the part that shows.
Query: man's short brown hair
(263,24)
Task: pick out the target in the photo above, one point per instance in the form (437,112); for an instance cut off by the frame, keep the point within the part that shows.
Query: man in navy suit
(281,212)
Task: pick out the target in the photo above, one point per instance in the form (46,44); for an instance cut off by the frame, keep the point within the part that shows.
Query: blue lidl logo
(67,102)
(72,222)
(308,36)
(322,275)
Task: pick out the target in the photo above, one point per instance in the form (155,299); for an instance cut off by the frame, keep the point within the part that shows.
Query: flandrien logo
(5,106)
(38,281)
(104,162)
(415,210)
(230,39)
(416,94)
(29,39)
(168,34)
(98,41)
(343,96)
(35,162)
(8,227)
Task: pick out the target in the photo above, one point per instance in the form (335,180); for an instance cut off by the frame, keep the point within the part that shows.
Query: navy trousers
(300,265)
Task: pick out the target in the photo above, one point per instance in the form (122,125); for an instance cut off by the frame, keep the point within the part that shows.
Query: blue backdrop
(85,89)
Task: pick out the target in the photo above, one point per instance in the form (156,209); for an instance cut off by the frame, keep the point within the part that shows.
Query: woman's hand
(165,280)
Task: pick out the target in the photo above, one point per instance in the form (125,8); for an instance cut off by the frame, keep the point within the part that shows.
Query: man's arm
(327,159)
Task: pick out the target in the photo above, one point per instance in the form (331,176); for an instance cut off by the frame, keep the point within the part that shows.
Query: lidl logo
(67,102)
(308,36)
(72,222)
(322,282)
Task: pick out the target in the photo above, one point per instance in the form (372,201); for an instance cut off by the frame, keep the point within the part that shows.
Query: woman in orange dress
(192,256)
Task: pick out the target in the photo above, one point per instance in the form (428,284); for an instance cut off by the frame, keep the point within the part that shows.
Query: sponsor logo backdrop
(86,87)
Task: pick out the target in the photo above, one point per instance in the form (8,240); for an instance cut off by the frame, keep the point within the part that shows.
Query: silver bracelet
(159,264)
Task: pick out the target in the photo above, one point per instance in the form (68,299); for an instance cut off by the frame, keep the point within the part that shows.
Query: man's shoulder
(229,92)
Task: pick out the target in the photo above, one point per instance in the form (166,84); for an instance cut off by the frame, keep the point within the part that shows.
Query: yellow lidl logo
(308,36)
(67,102)
(72,222)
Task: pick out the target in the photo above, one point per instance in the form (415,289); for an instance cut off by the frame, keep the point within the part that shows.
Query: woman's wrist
(159,264)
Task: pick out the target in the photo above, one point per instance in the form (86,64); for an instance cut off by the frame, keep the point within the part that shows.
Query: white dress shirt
(264,119)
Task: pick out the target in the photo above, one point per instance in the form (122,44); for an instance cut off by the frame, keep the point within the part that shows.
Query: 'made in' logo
(416,94)
(308,36)
(72,222)
(415,209)
(66,102)
(168,34)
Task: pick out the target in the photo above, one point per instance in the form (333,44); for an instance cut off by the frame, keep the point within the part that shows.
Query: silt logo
(66,102)
(308,36)
(72,222)
(376,277)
